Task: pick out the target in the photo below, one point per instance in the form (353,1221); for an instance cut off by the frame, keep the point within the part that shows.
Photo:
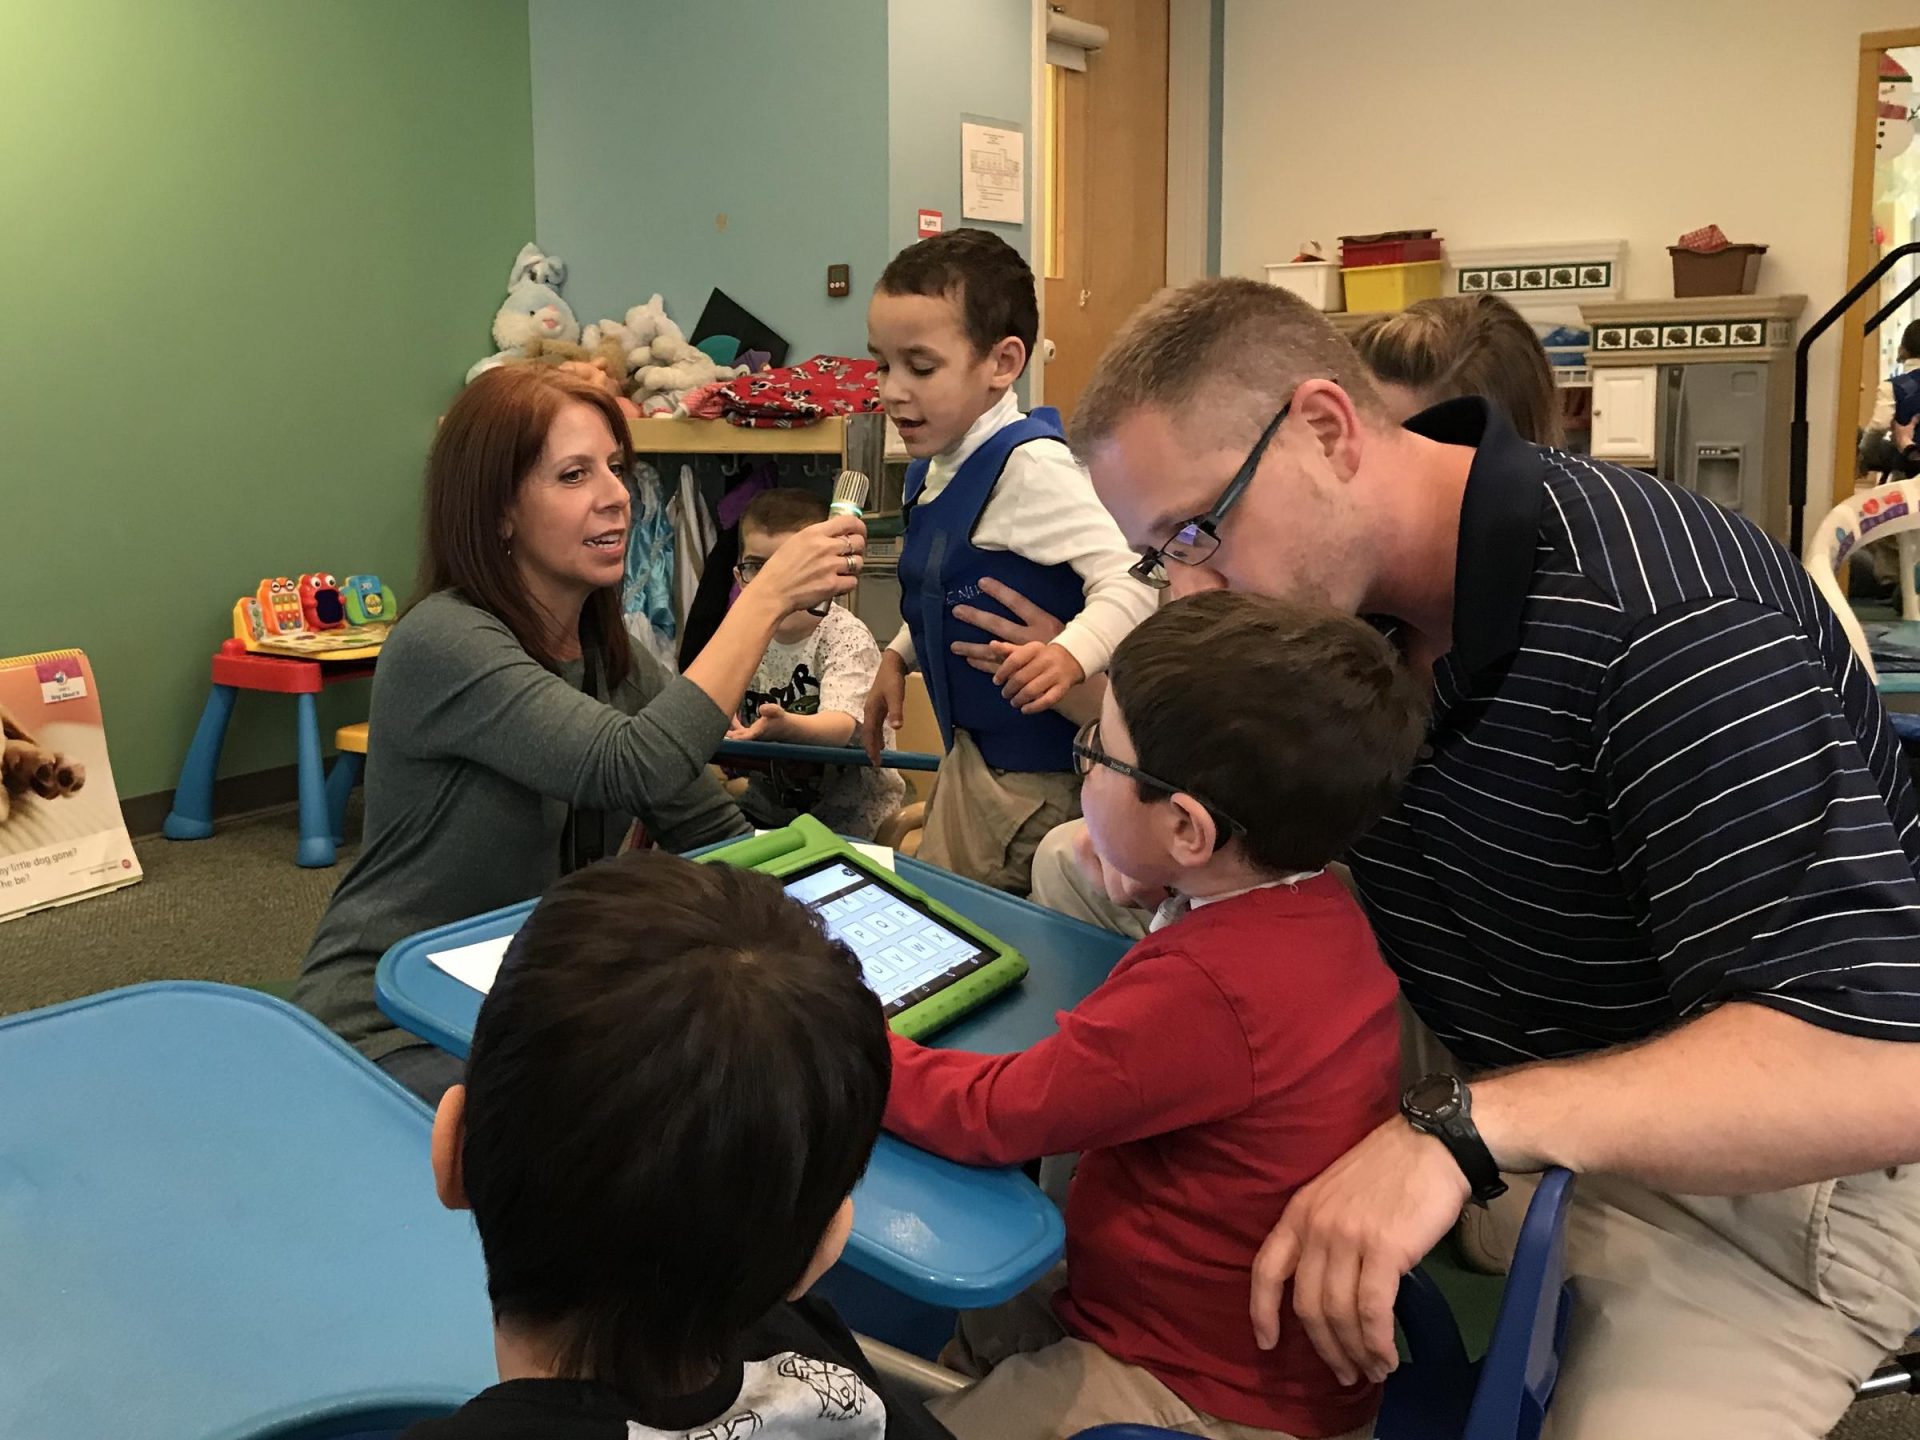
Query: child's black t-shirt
(800,1374)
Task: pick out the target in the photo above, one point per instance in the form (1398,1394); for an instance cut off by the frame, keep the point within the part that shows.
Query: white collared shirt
(1176,907)
(1044,510)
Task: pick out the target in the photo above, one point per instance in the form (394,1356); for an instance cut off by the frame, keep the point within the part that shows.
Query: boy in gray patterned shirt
(809,690)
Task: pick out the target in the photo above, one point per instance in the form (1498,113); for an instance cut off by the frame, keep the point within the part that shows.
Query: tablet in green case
(928,965)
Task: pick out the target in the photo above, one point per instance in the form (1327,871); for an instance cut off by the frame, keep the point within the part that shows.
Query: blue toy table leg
(316,827)
(192,815)
(340,782)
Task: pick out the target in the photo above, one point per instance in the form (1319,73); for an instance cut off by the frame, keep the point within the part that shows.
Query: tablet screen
(905,952)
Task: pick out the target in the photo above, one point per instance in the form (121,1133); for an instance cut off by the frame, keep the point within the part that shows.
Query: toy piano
(316,617)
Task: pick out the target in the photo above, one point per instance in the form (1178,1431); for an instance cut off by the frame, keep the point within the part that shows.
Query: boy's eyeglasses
(745,570)
(1194,540)
(1087,754)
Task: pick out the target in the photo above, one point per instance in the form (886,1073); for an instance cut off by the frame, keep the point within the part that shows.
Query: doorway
(1885,214)
(1103,241)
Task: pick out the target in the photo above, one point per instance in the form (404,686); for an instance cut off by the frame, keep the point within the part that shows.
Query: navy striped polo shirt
(1658,778)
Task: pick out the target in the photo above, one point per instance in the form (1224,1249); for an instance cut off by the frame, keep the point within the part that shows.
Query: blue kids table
(215,1217)
(943,1234)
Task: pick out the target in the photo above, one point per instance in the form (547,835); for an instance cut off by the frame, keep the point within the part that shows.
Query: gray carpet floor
(235,908)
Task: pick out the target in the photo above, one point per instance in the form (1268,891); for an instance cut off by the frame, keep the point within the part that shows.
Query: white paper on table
(879,854)
(474,965)
(993,163)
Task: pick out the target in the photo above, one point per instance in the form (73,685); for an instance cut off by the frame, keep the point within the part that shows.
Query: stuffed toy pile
(663,367)
(645,360)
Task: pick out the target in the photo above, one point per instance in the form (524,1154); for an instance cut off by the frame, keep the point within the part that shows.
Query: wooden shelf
(684,435)
(1638,332)
(1699,307)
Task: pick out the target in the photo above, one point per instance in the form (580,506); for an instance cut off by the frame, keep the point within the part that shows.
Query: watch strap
(1461,1136)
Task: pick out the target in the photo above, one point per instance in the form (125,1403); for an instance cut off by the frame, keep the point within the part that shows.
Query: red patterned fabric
(802,394)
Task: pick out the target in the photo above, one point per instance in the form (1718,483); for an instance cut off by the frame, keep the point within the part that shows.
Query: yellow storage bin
(1372,288)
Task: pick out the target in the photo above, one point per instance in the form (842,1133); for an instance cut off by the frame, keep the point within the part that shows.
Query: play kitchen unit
(1699,392)
(1696,389)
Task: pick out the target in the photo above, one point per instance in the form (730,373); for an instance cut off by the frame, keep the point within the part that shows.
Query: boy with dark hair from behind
(993,497)
(809,689)
(674,1085)
(1240,1048)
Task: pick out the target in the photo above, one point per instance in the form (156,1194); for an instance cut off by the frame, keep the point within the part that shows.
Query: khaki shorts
(1061,885)
(985,823)
(1041,1384)
(1712,1318)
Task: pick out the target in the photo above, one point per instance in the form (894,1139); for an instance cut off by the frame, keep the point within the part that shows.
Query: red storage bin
(1398,247)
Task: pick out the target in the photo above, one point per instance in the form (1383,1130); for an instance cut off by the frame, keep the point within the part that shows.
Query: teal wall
(946,60)
(651,119)
(250,248)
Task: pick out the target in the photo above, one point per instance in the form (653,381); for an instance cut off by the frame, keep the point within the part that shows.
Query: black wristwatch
(1440,1106)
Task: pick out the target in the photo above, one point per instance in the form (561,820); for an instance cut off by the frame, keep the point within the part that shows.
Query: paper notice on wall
(993,173)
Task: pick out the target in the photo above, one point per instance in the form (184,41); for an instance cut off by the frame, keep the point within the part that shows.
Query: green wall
(653,119)
(249,249)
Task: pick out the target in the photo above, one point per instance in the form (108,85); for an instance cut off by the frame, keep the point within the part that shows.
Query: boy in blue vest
(991,494)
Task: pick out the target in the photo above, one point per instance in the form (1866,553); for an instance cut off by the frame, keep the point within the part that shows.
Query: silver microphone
(850,489)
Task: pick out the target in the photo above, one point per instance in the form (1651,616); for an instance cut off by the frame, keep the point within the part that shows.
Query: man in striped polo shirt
(1653,881)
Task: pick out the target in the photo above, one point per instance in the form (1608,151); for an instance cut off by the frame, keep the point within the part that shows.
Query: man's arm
(1742,1100)
(1045,509)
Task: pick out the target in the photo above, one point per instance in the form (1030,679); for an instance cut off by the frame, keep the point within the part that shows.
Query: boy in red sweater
(1240,1048)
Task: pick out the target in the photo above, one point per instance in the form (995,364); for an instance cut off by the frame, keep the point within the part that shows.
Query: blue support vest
(941,567)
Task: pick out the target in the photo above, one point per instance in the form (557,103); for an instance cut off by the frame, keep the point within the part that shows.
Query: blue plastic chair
(1439,1394)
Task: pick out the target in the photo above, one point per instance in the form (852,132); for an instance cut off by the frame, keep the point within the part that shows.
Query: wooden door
(1104,246)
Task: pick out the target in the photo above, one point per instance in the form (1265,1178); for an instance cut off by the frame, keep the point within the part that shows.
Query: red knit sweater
(1228,1060)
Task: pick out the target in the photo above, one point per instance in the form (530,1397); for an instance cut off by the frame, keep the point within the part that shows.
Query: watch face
(1434,1095)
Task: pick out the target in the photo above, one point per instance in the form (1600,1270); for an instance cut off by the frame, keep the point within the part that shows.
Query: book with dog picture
(61,835)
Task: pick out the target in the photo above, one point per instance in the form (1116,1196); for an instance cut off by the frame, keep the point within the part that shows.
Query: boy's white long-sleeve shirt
(1044,510)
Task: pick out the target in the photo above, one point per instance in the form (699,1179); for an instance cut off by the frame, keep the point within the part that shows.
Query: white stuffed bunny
(533,309)
(648,323)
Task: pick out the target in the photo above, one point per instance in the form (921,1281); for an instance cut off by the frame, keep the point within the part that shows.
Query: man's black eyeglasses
(1194,540)
(1087,754)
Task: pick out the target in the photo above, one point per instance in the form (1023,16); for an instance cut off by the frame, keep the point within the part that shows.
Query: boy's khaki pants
(1061,885)
(984,823)
(1040,1384)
